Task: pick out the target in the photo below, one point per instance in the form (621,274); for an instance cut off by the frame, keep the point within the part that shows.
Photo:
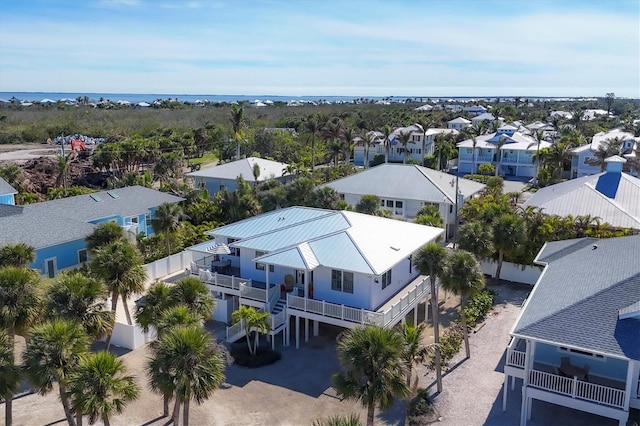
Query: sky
(322,47)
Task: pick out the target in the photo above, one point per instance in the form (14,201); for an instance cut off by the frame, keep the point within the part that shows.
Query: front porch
(569,383)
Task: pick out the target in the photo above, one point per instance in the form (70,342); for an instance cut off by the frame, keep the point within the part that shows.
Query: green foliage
(338,420)
(19,255)
(478,306)
(263,356)
(368,204)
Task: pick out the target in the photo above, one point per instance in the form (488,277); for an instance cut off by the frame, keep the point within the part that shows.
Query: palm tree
(430,260)
(444,149)
(386,132)
(53,352)
(166,221)
(348,137)
(501,142)
(474,131)
(193,294)
(100,387)
(313,126)
(9,372)
(254,321)
(119,264)
(20,301)
(423,125)
(103,234)
(413,351)
(176,316)
(187,360)
(462,276)
(368,139)
(539,137)
(477,238)
(373,368)
(509,234)
(19,255)
(404,137)
(237,120)
(154,303)
(76,297)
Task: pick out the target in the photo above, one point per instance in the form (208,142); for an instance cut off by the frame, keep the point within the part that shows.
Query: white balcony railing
(362,316)
(253,293)
(578,389)
(515,358)
(225,281)
(334,310)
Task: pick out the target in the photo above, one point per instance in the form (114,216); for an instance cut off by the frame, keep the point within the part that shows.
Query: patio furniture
(571,370)
(220,265)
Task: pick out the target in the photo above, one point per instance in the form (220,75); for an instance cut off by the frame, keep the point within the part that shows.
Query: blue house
(57,229)
(7,193)
(577,340)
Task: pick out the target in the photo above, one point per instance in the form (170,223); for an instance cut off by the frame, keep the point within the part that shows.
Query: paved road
(28,154)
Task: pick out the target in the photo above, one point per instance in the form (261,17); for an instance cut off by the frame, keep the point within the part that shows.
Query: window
(221,187)
(410,263)
(386,279)
(390,203)
(381,203)
(399,204)
(234,250)
(342,281)
(82,256)
(579,352)
(147,218)
(260,266)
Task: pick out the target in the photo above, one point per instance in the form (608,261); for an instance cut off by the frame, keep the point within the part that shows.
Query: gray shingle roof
(54,222)
(5,188)
(406,181)
(577,300)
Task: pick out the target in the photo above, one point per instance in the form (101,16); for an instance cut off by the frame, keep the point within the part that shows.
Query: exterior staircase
(237,331)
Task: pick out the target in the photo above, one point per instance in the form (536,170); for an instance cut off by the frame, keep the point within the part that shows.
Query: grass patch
(207,158)
(264,356)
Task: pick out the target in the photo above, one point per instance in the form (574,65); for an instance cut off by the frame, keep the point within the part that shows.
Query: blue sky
(322,47)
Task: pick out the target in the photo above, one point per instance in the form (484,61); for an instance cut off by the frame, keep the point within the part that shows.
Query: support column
(316,327)
(297,332)
(266,285)
(306,329)
(504,393)
(415,315)
(525,382)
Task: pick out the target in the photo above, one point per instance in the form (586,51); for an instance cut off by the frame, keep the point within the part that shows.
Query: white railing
(575,388)
(334,310)
(235,329)
(253,293)
(219,280)
(362,316)
(402,306)
(515,358)
(274,295)
(278,319)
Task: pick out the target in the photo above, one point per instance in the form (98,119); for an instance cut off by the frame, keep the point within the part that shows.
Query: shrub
(264,356)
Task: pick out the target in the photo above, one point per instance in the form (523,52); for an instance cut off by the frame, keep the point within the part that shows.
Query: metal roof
(244,167)
(406,182)
(336,239)
(5,188)
(579,296)
(611,196)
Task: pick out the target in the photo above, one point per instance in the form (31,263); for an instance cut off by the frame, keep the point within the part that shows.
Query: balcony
(598,390)
(388,315)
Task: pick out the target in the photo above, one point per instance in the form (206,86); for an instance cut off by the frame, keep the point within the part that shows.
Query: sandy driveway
(27,152)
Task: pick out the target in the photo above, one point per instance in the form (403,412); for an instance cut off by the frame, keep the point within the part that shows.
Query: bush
(476,310)
(264,356)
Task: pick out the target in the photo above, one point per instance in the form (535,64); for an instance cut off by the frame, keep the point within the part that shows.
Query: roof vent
(113,194)
(595,246)
(96,198)
(395,248)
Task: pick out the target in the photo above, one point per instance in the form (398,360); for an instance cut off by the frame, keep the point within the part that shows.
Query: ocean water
(134,98)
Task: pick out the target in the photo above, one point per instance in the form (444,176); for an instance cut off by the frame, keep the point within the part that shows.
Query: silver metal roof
(244,167)
(5,188)
(406,182)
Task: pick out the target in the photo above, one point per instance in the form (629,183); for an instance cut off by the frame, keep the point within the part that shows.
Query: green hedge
(476,310)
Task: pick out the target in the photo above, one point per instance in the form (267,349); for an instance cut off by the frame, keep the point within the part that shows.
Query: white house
(611,196)
(335,267)
(485,117)
(576,342)
(404,189)
(514,159)
(584,161)
(415,144)
(458,123)
(217,178)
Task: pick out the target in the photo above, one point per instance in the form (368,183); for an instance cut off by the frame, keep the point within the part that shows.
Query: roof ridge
(421,171)
(346,231)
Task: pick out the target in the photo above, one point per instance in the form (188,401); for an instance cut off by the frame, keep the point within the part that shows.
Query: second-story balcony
(387,315)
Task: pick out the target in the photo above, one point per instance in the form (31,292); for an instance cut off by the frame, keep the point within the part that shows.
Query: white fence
(525,274)
(167,266)
(128,336)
